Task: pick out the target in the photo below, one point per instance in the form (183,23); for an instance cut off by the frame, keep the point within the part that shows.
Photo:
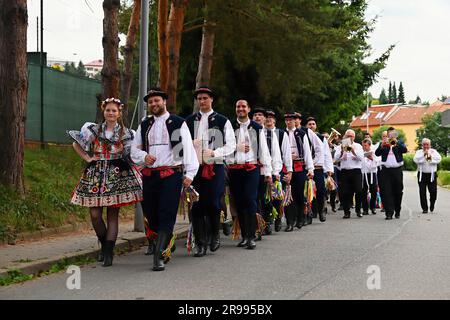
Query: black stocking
(113,223)
(97,221)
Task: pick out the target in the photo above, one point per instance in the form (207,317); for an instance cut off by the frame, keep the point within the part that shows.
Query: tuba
(333,135)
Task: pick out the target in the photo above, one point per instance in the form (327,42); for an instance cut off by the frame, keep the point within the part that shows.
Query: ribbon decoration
(309,193)
(330,184)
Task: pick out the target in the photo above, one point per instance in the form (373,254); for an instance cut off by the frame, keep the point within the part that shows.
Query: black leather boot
(277,226)
(161,242)
(200,236)
(251,227)
(151,247)
(101,255)
(215,242)
(108,253)
(323,215)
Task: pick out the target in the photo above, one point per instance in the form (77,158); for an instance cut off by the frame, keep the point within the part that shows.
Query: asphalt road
(321,261)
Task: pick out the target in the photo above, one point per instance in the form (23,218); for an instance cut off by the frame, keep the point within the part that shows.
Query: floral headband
(115,100)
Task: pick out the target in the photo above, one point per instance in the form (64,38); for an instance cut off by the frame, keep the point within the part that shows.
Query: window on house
(364,116)
(380,115)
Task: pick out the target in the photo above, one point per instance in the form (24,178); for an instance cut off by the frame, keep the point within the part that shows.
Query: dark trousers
(264,206)
(337,191)
(295,210)
(391,188)
(319,201)
(244,189)
(369,187)
(432,189)
(351,184)
(161,199)
(206,211)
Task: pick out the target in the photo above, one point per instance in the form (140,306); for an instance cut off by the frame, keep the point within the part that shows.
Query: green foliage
(14,276)
(17,276)
(444,178)
(409,164)
(445,164)
(383,98)
(432,129)
(304,55)
(376,136)
(401,94)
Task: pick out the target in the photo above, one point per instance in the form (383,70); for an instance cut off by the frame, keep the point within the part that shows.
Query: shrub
(445,164)
(444,178)
(409,164)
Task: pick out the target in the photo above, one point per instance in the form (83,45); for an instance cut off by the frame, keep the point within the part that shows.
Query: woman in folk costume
(109,179)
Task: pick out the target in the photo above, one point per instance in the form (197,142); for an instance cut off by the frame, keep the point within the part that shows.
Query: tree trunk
(205,60)
(13,91)
(110,71)
(128,56)
(163,44)
(175,31)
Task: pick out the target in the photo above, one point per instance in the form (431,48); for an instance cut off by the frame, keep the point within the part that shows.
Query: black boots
(161,243)
(215,242)
(251,232)
(108,253)
(101,254)
(323,215)
(277,225)
(151,247)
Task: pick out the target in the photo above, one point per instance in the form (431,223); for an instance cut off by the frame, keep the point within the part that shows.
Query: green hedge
(445,164)
(444,178)
(409,164)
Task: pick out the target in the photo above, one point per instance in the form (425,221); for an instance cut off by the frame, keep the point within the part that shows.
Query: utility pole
(143,74)
(42,74)
(37,34)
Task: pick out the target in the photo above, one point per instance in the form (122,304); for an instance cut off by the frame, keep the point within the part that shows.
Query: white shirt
(370,166)
(327,158)
(243,136)
(427,166)
(230,140)
(317,144)
(286,151)
(348,160)
(391,161)
(309,163)
(160,147)
(277,162)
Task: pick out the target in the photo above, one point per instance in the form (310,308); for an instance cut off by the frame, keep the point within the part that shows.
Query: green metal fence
(69,102)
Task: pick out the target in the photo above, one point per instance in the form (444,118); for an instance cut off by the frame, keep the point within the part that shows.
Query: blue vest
(173,123)
(216,121)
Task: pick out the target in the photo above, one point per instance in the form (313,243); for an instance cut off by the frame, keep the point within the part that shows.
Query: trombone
(333,135)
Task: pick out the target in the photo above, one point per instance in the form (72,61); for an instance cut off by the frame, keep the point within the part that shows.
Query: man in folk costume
(317,154)
(285,150)
(213,138)
(323,165)
(265,205)
(391,150)
(351,155)
(427,160)
(303,168)
(164,146)
(252,156)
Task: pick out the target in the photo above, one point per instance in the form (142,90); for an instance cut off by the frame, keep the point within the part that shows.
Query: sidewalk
(35,256)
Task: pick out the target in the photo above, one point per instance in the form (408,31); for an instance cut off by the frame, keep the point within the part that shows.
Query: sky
(418,28)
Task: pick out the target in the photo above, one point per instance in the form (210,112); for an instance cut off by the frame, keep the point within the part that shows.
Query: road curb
(124,244)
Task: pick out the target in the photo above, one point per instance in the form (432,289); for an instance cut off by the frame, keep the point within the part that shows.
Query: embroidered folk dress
(111,180)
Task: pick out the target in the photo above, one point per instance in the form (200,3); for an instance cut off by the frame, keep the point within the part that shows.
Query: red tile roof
(95,63)
(376,116)
(407,115)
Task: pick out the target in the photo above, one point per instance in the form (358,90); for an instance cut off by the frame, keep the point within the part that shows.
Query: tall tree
(163,44)
(81,69)
(394,94)
(110,71)
(401,94)
(390,93)
(175,32)
(130,45)
(433,130)
(13,91)
(383,98)
(418,100)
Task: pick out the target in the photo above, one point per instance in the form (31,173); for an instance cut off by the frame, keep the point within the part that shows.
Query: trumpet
(348,148)
(333,135)
(428,157)
(392,141)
